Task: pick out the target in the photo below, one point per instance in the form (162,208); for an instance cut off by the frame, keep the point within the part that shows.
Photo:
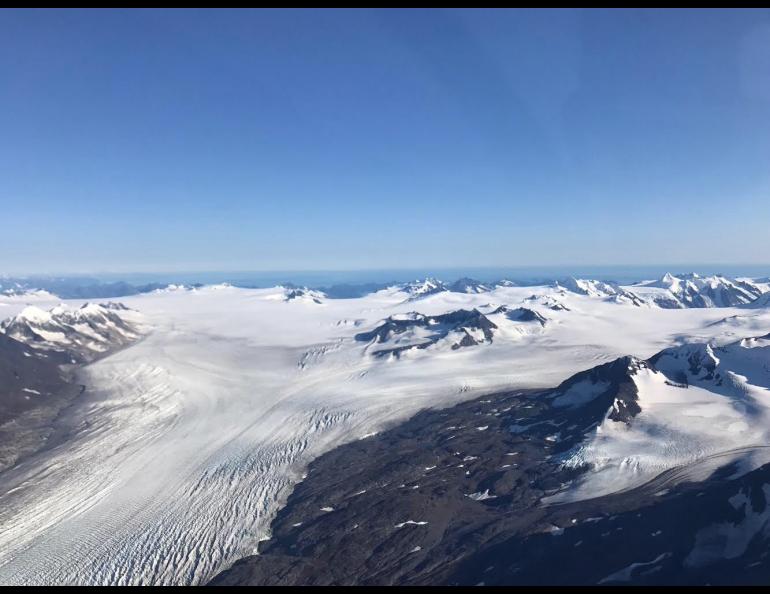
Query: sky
(167,140)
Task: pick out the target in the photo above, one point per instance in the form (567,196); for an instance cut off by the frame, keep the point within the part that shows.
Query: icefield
(185,444)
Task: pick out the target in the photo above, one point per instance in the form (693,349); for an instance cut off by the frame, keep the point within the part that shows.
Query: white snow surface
(186,443)
(13,304)
(690,289)
(715,410)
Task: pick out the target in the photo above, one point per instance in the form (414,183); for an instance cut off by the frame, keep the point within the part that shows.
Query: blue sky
(271,140)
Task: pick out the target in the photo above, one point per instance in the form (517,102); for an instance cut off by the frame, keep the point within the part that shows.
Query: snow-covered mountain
(469,285)
(591,288)
(762,301)
(763,283)
(303,294)
(668,292)
(457,329)
(418,289)
(600,289)
(671,292)
(173,288)
(552,302)
(83,333)
(680,407)
(520,314)
(692,290)
(38,380)
(430,286)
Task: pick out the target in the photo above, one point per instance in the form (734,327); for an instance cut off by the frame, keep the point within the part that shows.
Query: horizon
(526,275)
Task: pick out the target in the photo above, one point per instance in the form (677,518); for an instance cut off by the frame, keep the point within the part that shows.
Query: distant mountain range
(670,291)
(673,292)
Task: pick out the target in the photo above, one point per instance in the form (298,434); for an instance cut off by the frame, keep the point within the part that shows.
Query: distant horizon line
(329,279)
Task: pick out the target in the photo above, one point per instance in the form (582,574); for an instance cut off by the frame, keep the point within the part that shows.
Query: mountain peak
(84,332)
(468,285)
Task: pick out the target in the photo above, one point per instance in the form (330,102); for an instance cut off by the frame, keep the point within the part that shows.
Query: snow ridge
(85,332)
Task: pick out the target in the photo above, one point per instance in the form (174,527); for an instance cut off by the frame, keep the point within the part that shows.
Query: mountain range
(409,433)
(670,291)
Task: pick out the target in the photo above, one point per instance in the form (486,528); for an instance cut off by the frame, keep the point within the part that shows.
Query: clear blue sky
(169,140)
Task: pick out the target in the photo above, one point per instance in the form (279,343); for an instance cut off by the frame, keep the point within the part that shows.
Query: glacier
(186,443)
